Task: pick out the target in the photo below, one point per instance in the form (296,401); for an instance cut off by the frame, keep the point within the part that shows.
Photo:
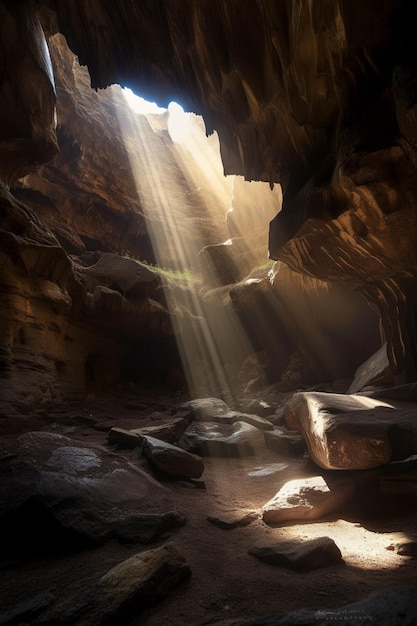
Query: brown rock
(342,432)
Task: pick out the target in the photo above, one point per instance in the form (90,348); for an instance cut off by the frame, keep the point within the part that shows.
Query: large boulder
(355,432)
(59,493)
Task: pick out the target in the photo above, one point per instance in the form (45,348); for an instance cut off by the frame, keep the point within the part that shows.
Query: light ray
(185,198)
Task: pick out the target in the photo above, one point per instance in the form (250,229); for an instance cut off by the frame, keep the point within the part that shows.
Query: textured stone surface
(78,496)
(207,439)
(170,459)
(355,431)
(298,555)
(305,499)
(343,432)
(122,592)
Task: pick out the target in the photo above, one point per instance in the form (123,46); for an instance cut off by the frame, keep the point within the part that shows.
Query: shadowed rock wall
(315,95)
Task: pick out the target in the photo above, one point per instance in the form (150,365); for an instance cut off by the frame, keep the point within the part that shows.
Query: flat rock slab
(393,607)
(228,521)
(76,495)
(306,499)
(170,459)
(298,555)
(222,440)
(358,431)
(124,591)
(373,368)
(342,432)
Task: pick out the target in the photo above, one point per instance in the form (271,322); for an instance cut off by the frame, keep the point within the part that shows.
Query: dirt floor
(226,581)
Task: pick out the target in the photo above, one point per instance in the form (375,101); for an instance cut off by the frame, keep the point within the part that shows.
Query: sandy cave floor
(226,581)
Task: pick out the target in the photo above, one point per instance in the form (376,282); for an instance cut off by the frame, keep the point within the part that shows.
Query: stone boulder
(222,440)
(58,493)
(170,459)
(354,432)
(121,593)
(342,432)
(306,499)
(298,555)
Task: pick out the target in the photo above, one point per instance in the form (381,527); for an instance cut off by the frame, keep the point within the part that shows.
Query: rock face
(314,97)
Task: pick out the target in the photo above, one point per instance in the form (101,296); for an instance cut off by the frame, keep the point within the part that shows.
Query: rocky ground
(375,531)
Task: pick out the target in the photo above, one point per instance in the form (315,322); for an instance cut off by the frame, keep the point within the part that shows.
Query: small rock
(228,521)
(171,459)
(123,438)
(206,409)
(170,431)
(299,555)
(222,440)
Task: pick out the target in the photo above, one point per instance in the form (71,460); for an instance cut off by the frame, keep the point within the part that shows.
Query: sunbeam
(186,200)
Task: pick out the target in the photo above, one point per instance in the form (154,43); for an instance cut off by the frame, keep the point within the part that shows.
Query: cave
(208,312)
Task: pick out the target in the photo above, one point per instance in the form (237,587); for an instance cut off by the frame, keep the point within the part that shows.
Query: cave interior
(208,312)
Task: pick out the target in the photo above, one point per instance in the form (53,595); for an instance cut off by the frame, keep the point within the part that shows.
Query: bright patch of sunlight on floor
(360,547)
(184,195)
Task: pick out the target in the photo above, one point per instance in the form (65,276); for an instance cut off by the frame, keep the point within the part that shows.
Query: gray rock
(214,410)
(221,440)
(298,555)
(76,495)
(170,431)
(375,367)
(171,459)
(206,409)
(306,499)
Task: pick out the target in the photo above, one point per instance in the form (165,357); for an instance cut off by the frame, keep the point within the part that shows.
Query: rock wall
(315,96)
(300,93)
